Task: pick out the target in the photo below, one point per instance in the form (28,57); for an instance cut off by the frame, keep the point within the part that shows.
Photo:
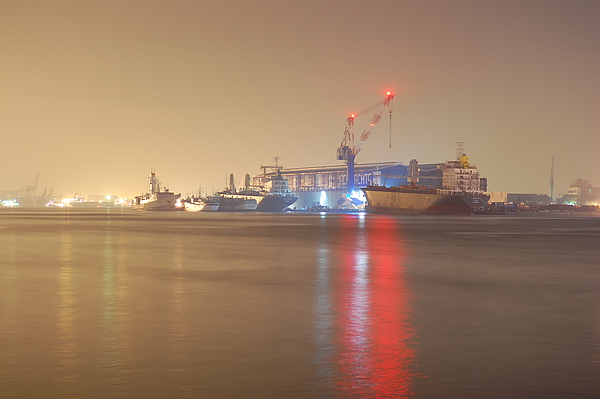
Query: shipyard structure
(450,187)
(326,187)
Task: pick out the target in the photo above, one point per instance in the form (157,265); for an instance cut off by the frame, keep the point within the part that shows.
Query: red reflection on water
(392,331)
(373,325)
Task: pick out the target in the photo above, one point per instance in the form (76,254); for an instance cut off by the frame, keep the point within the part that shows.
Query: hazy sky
(96,93)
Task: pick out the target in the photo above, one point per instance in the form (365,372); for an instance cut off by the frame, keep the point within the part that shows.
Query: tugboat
(157,199)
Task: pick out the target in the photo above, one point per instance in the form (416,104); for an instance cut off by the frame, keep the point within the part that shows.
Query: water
(113,303)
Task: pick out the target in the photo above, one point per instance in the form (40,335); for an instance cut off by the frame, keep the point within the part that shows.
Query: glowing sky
(96,93)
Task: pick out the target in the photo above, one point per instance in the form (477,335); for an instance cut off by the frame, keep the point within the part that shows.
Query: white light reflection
(357,304)
(67,348)
(179,359)
(324,315)
(110,340)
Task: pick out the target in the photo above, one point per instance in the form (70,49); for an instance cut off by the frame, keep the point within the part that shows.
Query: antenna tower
(552,181)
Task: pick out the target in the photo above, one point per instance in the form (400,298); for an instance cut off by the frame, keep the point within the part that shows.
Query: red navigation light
(352,116)
(389,93)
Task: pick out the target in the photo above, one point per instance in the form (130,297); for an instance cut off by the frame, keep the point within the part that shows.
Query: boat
(232,202)
(271,192)
(193,205)
(460,193)
(197,204)
(211,204)
(274,196)
(418,200)
(157,199)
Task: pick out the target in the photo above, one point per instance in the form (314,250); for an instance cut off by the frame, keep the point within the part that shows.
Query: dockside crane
(349,148)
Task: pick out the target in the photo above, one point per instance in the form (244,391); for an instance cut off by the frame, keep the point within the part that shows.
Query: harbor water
(111,303)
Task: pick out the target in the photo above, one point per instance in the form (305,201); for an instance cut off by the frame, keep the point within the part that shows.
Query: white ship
(201,205)
(194,205)
(157,199)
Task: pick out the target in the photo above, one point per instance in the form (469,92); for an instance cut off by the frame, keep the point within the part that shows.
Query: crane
(349,148)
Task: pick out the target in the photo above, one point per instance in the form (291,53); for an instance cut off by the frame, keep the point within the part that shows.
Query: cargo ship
(420,200)
(157,199)
(460,193)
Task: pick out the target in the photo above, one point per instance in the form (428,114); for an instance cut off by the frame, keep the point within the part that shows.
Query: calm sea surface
(112,303)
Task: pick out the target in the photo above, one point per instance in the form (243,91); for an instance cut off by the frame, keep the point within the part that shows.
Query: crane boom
(349,149)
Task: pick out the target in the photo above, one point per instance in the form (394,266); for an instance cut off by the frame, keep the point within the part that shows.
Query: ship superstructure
(460,176)
(157,199)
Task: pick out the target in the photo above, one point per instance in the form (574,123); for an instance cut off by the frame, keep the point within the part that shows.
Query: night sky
(96,93)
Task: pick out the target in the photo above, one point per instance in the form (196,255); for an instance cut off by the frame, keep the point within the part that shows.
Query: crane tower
(349,148)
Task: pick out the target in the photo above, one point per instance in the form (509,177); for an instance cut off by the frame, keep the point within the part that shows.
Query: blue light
(323,198)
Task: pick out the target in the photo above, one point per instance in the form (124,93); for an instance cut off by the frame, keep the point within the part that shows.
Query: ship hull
(392,200)
(211,207)
(274,203)
(163,201)
(194,206)
(236,204)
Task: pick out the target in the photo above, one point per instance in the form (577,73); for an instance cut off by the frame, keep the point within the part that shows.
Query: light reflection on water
(259,306)
(373,331)
(67,348)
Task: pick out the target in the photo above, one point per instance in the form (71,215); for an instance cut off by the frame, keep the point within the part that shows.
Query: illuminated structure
(25,196)
(349,148)
(327,185)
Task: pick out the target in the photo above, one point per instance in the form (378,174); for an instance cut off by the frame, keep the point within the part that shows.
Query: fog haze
(97,93)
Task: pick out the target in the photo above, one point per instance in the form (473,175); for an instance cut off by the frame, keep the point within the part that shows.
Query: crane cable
(390,110)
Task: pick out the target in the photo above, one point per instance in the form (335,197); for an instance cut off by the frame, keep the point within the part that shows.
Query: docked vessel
(271,191)
(274,196)
(197,204)
(418,200)
(193,205)
(460,193)
(157,199)
(231,201)
(211,204)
